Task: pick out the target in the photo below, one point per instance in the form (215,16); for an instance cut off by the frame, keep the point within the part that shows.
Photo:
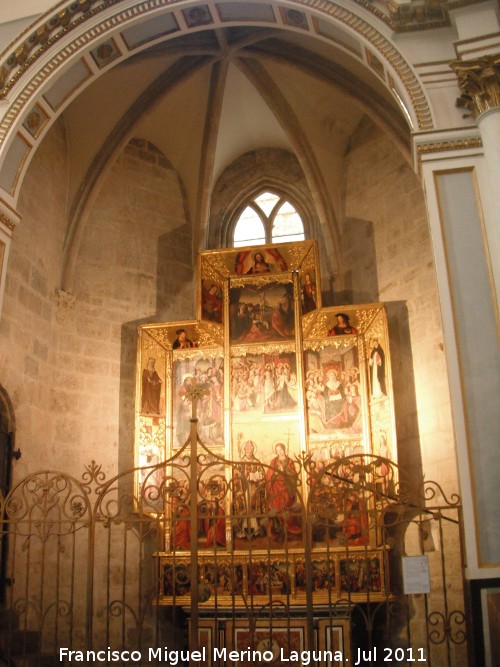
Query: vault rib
(104,158)
(208,150)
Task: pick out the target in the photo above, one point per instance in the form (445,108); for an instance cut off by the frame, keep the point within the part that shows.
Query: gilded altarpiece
(288,390)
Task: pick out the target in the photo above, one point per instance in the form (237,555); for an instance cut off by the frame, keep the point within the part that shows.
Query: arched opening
(224,105)
(267,218)
(7,455)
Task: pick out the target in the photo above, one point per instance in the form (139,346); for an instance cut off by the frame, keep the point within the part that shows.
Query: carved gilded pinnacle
(479,79)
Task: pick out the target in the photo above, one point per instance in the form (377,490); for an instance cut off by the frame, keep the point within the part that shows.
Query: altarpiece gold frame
(290,388)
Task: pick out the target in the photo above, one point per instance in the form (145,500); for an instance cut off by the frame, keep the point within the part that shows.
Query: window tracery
(267,218)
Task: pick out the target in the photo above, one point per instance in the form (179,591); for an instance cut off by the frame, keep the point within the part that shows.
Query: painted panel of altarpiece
(284,389)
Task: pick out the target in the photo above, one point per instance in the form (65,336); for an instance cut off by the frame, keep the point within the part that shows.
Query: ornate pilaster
(479,79)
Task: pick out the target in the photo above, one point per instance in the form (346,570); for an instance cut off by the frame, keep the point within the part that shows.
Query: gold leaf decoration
(364,317)
(160,334)
(320,326)
(210,272)
(269,348)
(334,341)
(259,281)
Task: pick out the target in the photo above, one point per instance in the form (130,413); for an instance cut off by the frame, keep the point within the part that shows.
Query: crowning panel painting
(261,313)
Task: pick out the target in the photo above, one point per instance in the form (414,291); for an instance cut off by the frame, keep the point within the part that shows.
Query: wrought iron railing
(286,556)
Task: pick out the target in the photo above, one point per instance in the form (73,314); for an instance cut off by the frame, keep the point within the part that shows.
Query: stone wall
(28,329)
(387,245)
(69,359)
(265,169)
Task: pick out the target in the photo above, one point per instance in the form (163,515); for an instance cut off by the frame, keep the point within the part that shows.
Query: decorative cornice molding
(38,39)
(389,52)
(440,146)
(414,15)
(479,79)
(9,218)
(16,66)
(4,220)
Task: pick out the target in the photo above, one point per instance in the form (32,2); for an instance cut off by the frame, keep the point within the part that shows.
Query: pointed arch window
(268,218)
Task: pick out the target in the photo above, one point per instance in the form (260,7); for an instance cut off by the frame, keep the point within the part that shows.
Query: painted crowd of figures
(265,383)
(210,373)
(275,576)
(264,503)
(333,400)
(265,506)
(268,383)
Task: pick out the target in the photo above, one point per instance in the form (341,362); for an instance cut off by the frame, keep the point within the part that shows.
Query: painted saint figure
(213,523)
(151,389)
(282,320)
(251,487)
(343,326)
(281,486)
(259,265)
(181,533)
(377,369)
(211,303)
(334,394)
(182,341)
(308,294)
(262,261)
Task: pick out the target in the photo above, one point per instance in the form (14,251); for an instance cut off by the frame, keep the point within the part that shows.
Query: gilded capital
(479,79)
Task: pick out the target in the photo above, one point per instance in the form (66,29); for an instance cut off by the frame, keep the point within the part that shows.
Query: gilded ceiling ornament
(209,335)
(295,18)
(219,264)
(321,325)
(198,16)
(479,80)
(151,346)
(73,17)
(160,334)
(209,272)
(33,121)
(7,222)
(8,216)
